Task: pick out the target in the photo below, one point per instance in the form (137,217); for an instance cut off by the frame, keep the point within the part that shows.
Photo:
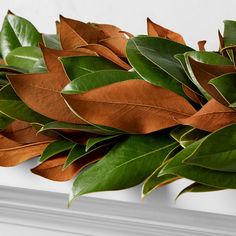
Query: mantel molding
(98,217)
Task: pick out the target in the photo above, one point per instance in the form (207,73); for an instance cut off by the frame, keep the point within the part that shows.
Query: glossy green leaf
(149,71)
(154,181)
(57,125)
(198,188)
(191,136)
(226,85)
(78,151)
(77,66)
(56,147)
(52,41)
(12,106)
(127,164)
(211,58)
(4,121)
(17,32)
(217,151)
(229,33)
(180,130)
(97,79)
(233,104)
(24,58)
(100,140)
(201,175)
(161,52)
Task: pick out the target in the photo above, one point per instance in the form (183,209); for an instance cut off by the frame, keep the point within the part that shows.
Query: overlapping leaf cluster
(145,109)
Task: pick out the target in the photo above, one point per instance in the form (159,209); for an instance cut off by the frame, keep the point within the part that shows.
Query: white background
(194,19)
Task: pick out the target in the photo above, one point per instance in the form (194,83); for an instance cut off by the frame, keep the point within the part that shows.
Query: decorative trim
(92,216)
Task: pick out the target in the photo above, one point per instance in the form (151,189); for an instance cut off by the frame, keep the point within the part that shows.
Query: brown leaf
(134,106)
(23,133)
(7,143)
(159,31)
(74,34)
(116,44)
(15,155)
(192,95)
(205,72)
(53,168)
(111,31)
(51,57)
(41,92)
(211,117)
(201,45)
(108,54)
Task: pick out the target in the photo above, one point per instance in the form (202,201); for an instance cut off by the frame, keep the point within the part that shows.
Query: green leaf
(4,121)
(78,151)
(127,164)
(180,130)
(217,151)
(75,153)
(153,181)
(12,106)
(233,104)
(100,140)
(58,125)
(161,52)
(229,33)
(191,136)
(198,188)
(52,41)
(218,179)
(24,58)
(226,85)
(206,58)
(56,147)
(97,79)
(149,71)
(77,66)
(17,32)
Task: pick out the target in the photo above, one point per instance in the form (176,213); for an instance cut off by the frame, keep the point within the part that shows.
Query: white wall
(195,19)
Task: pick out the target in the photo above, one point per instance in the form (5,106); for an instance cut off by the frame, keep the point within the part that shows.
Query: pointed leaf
(149,71)
(17,32)
(157,30)
(56,147)
(4,120)
(57,125)
(201,175)
(202,73)
(125,165)
(98,79)
(226,86)
(198,188)
(217,151)
(133,106)
(51,41)
(211,117)
(100,140)
(161,52)
(78,66)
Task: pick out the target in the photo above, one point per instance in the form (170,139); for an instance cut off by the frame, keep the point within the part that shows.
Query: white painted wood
(43,212)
